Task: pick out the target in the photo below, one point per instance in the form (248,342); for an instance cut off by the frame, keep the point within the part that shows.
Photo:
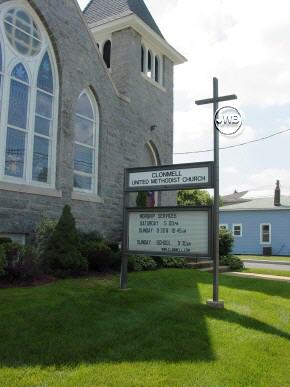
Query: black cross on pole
(215,302)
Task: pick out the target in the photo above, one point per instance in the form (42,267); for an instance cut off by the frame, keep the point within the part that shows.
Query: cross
(215,302)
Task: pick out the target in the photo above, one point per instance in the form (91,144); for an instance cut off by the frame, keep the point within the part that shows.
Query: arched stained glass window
(43,120)
(17,122)
(86,143)
(107,53)
(28,137)
(45,77)
(0,58)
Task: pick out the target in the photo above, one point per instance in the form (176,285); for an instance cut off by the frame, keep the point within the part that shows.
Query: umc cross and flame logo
(228,120)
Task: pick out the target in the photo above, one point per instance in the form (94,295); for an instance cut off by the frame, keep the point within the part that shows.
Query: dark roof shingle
(102,11)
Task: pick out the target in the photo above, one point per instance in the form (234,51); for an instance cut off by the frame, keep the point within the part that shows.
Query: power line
(237,145)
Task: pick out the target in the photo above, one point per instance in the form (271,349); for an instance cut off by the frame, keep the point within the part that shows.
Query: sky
(246,45)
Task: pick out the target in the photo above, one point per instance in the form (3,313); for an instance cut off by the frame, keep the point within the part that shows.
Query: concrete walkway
(266,265)
(260,276)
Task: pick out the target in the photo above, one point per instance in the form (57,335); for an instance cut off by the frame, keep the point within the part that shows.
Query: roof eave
(144,30)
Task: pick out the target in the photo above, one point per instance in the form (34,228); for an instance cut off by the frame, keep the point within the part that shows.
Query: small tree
(226,243)
(141,200)
(62,255)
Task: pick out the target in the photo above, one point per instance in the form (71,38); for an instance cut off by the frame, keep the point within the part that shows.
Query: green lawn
(262,258)
(86,332)
(283,273)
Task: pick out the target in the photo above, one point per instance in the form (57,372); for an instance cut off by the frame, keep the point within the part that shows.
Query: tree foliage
(194,197)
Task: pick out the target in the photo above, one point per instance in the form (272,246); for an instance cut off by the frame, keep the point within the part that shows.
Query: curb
(258,276)
(266,261)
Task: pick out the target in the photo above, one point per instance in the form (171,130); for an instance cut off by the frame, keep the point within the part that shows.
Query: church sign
(172,177)
(174,231)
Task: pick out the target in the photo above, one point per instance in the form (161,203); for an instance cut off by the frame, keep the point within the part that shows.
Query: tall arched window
(157,69)
(107,53)
(28,110)
(149,64)
(86,143)
(142,59)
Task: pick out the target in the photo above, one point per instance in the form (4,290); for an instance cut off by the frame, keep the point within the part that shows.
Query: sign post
(166,231)
(215,302)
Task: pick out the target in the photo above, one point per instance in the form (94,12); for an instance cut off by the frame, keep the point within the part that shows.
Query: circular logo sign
(228,120)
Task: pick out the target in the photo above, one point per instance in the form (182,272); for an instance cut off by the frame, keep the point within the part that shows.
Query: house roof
(100,12)
(259,204)
(236,197)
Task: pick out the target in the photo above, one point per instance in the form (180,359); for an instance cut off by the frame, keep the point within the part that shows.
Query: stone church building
(83,96)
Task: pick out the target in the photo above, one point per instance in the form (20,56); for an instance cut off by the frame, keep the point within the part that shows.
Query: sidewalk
(266,261)
(260,276)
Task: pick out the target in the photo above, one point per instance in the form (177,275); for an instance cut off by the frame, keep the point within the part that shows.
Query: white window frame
(261,233)
(224,226)
(10,58)
(95,174)
(241,230)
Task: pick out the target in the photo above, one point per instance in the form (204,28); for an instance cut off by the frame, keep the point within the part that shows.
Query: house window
(265,233)
(29,92)
(107,53)
(86,143)
(224,227)
(237,230)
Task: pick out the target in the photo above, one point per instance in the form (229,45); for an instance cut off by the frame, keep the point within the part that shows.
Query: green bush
(226,242)
(21,262)
(170,262)
(116,259)
(3,261)
(92,236)
(232,261)
(98,255)
(62,255)
(4,241)
(140,263)
(43,233)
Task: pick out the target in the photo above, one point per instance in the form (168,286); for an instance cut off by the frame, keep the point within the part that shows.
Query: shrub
(140,263)
(232,261)
(170,262)
(92,236)
(62,255)
(116,259)
(98,255)
(22,262)
(3,261)
(4,241)
(226,241)
(43,234)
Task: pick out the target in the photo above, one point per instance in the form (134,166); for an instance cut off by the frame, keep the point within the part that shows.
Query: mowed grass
(279,273)
(86,332)
(262,258)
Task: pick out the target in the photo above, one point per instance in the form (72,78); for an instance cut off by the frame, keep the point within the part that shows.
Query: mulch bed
(42,280)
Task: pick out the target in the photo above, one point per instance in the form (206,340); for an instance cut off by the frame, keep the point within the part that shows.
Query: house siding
(249,243)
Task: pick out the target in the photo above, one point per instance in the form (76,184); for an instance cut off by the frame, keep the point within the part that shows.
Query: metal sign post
(215,302)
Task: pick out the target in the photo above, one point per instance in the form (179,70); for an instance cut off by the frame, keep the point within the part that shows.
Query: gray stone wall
(124,126)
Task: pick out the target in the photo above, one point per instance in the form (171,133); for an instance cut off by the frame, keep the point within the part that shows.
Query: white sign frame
(160,210)
(176,172)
